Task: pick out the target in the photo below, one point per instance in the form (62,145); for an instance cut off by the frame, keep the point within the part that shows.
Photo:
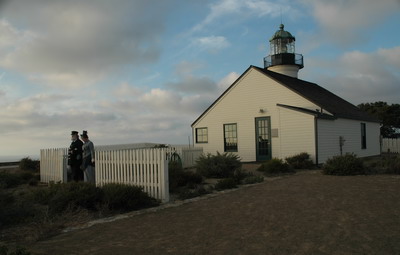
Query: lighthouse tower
(282,58)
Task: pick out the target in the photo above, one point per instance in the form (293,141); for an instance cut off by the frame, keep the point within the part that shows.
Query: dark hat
(74,132)
(84,134)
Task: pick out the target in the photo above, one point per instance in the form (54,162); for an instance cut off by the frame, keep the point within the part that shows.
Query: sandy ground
(305,213)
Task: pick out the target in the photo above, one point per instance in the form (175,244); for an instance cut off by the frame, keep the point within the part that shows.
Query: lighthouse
(282,58)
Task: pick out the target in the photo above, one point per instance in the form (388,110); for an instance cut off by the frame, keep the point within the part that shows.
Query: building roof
(282,34)
(316,113)
(325,99)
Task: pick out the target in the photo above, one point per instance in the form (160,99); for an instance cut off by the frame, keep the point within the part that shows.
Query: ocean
(14,158)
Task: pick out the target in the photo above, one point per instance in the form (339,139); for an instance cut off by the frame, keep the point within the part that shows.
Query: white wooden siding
(329,132)
(241,105)
(296,133)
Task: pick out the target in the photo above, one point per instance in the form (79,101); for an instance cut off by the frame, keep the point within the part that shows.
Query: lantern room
(282,58)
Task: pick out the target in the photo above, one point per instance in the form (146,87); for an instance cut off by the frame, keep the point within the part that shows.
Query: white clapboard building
(270,113)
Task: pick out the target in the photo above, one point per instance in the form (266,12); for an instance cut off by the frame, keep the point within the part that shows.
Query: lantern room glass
(282,45)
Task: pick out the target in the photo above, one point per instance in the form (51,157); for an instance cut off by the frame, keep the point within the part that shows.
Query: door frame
(269,156)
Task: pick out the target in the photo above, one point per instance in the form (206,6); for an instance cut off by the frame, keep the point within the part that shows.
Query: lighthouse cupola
(282,58)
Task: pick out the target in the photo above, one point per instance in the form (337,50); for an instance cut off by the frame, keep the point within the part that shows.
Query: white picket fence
(391,145)
(53,165)
(128,164)
(147,168)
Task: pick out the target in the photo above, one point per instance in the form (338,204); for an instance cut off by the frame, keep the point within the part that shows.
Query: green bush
(253,179)
(387,164)
(73,195)
(239,175)
(13,212)
(300,161)
(26,176)
(9,180)
(347,164)
(33,181)
(27,164)
(228,183)
(6,198)
(218,166)
(174,172)
(120,197)
(76,195)
(4,250)
(275,166)
(393,165)
(179,177)
(186,192)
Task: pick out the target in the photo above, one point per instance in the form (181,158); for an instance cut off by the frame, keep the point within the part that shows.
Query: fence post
(164,176)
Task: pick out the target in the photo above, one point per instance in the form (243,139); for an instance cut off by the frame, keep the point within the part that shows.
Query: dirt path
(307,213)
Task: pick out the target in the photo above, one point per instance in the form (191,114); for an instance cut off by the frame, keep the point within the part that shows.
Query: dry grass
(305,213)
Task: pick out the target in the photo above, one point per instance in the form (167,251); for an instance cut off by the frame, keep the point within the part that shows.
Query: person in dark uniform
(75,157)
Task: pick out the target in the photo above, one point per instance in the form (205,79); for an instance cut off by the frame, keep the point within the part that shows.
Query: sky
(132,71)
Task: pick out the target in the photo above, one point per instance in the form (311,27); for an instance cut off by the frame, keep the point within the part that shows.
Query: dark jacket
(75,153)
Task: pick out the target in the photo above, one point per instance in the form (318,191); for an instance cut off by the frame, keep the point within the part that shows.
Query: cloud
(191,84)
(133,115)
(211,43)
(362,77)
(77,43)
(239,9)
(345,22)
(227,81)
(127,90)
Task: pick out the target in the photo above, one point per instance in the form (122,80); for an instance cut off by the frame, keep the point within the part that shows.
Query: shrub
(25,176)
(186,192)
(13,212)
(347,164)
(33,181)
(4,250)
(76,195)
(179,178)
(190,178)
(174,172)
(388,164)
(300,161)
(71,195)
(275,166)
(228,183)
(218,166)
(6,198)
(239,175)
(27,164)
(393,165)
(253,179)
(120,197)
(9,180)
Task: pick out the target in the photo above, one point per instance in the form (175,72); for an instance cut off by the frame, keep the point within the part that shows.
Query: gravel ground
(305,213)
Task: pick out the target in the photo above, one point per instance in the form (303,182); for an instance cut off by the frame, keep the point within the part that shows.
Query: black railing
(284,59)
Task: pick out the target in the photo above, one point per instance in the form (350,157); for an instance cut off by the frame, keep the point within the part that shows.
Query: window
(201,135)
(363,136)
(230,138)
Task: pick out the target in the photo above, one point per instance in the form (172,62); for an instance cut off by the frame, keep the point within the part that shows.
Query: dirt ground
(305,213)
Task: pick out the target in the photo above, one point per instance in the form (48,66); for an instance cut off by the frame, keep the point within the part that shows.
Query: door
(263,138)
